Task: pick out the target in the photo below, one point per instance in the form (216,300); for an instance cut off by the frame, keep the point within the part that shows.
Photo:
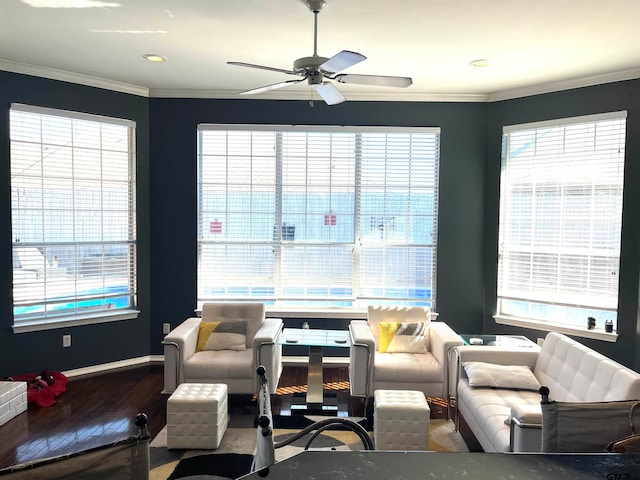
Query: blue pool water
(59,304)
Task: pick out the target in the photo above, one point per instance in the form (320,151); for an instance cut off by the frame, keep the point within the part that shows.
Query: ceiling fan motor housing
(308,65)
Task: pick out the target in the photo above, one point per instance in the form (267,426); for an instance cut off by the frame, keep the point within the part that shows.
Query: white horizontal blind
(73,211)
(236,212)
(318,192)
(282,217)
(560,219)
(398,216)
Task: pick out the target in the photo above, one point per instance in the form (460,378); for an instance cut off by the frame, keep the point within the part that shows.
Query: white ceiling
(532,45)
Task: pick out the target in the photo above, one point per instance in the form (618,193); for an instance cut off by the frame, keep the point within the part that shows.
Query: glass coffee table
(316,339)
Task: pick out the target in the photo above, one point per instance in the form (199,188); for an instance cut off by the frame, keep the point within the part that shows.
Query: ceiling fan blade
(341,61)
(262,67)
(377,80)
(329,93)
(273,86)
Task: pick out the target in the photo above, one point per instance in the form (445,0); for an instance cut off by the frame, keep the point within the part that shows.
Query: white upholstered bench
(197,415)
(401,420)
(13,400)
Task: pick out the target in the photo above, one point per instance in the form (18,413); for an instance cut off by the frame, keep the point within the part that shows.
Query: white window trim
(72,114)
(38,325)
(558,122)
(598,333)
(91,318)
(355,312)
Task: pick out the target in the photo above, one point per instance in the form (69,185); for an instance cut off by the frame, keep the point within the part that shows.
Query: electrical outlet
(540,341)
(66,341)
(166,328)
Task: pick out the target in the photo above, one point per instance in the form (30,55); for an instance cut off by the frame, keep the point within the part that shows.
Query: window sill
(297,312)
(310,312)
(596,334)
(40,324)
(337,312)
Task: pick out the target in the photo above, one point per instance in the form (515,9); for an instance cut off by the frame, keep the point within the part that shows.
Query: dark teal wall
(173,194)
(582,101)
(166,148)
(92,344)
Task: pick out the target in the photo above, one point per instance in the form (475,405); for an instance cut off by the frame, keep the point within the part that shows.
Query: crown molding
(55,74)
(407,96)
(564,85)
(404,96)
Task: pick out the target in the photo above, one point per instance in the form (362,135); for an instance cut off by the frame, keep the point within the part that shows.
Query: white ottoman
(197,415)
(13,400)
(400,420)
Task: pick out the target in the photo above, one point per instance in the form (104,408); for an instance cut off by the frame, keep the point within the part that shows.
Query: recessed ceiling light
(481,62)
(153,57)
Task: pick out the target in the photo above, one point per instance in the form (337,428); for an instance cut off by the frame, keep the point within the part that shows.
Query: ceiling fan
(317,70)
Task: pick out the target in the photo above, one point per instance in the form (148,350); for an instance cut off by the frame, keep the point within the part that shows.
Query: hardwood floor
(94,411)
(101,409)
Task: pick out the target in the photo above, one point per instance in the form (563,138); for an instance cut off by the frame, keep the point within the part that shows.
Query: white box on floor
(13,400)
(197,415)
(401,420)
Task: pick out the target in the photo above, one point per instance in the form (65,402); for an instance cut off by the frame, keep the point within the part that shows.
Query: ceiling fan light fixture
(155,58)
(479,63)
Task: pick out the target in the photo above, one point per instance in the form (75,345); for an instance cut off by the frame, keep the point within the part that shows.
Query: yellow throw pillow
(403,337)
(222,336)
(387,332)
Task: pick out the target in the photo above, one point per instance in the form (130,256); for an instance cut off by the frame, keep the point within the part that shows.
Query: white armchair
(370,369)
(236,368)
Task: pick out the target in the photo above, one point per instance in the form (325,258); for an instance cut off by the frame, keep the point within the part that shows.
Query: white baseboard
(129,363)
(114,366)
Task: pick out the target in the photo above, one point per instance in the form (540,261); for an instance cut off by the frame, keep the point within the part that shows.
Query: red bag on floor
(43,387)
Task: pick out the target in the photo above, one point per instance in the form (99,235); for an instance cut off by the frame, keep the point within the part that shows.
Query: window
(560,221)
(317,217)
(73,211)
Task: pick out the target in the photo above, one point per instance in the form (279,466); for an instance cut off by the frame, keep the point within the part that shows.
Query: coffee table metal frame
(316,340)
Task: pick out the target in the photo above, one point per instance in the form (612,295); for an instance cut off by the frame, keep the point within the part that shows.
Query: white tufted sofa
(504,420)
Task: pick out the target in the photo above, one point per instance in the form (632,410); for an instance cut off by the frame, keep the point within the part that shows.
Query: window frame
(550,325)
(276,307)
(77,314)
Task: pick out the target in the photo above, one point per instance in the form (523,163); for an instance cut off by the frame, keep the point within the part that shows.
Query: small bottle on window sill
(608,326)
